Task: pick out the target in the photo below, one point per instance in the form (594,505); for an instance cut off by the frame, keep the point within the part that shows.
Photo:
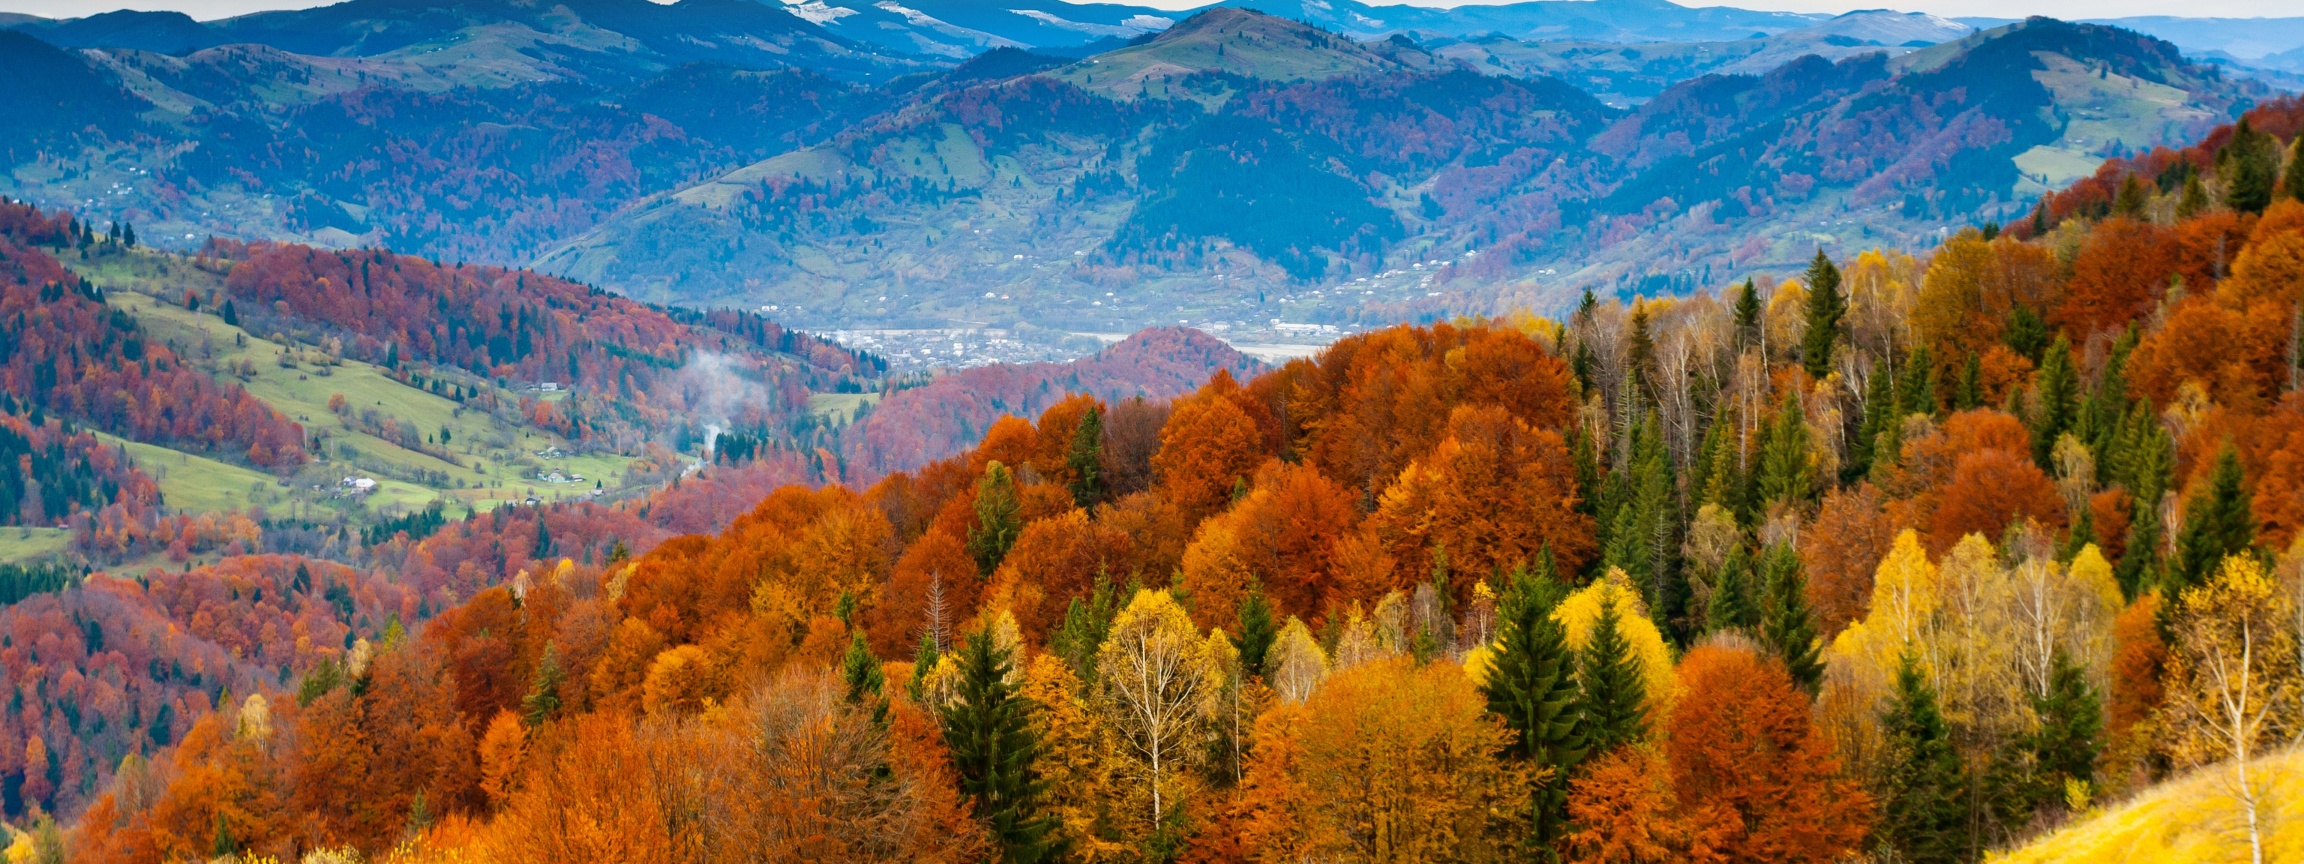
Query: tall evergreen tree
(1787,626)
(2248,163)
(989,730)
(1880,409)
(2130,200)
(1257,630)
(2194,198)
(1826,306)
(1923,817)
(1613,694)
(1532,686)
(999,518)
(1732,606)
(2217,522)
(1917,392)
(1640,356)
(2070,736)
(1087,622)
(2108,401)
(1747,314)
(2057,387)
(1787,469)
(2140,459)
(861,672)
(1587,460)
(1086,458)
(543,699)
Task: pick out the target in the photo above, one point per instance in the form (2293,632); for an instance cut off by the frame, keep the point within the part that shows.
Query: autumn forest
(1902,558)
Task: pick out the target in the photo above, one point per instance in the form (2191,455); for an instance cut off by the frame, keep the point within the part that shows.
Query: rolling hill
(1361,182)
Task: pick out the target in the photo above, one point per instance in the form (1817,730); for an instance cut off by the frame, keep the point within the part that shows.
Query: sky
(208,9)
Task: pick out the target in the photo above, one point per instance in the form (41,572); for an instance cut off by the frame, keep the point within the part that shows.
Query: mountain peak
(1233,41)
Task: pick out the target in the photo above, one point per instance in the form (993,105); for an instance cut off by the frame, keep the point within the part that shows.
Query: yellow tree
(1389,761)
(1161,686)
(1076,760)
(2231,678)
(1296,665)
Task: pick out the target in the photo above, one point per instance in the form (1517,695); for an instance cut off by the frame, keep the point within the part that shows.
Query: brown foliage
(1751,771)
(1840,550)
(1991,489)
(1494,493)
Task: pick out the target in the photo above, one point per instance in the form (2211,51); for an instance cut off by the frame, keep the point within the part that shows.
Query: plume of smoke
(717,390)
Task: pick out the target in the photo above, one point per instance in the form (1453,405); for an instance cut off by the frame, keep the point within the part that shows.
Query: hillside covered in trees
(1256,159)
(1909,558)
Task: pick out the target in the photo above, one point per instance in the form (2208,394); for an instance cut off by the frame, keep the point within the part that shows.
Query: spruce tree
(989,730)
(2130,200)
(2248,163)
(2108,402)
(1880,409)
(2217,522)
(1787,626)
(543,699)
(1086,624)
(1826,306)
(861,672)
(1640,355)
(999,518)
(1532,686)
(1917,393)
(2070,736)
(1086,458)
(1747,314)
(1732,607)
(1613,694)
(1923,817)
(1257,630)
(2057,387)
(1787,471)
(2194,199)
(923,660)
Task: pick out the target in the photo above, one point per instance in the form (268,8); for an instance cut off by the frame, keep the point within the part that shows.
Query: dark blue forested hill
(1217,169)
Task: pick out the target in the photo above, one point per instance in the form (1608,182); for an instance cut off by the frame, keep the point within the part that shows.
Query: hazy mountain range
(1093,168)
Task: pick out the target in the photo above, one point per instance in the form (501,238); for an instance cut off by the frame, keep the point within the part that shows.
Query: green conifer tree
(1923,814)
(1612,692)
(543,699)
(1747,314)
(1086,458)
(1257,630)
(999,518)
(1787,626)
(2217,522)
(1826,306)
(2248,163)
(1732,607)
(1532,686)
(1917,392)
(988,728)
(1880,409)
(2070,736)
(1787,469)
(861,672)
(2194,199)
(2057,388)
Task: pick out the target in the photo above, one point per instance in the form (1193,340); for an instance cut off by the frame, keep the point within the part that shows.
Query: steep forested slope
(1903,557)
(1376,176)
